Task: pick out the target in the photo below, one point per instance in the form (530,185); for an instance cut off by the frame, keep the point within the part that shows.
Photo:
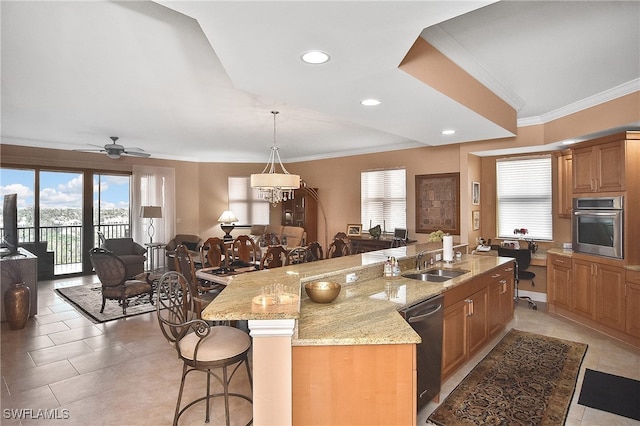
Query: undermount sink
(451,273)
(436,275)
(427,277)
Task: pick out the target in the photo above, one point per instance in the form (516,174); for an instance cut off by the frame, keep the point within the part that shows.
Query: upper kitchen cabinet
(599,168)
(565,188)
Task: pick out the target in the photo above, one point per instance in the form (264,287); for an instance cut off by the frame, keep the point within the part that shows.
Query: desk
(154,253)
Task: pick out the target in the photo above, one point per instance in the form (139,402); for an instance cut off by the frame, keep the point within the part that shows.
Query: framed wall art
(475,193)
(438,203)
(475,219)
(354,230)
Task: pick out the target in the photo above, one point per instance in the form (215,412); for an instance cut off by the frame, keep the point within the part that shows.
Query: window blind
(383,199)
(524,191)
(245,203)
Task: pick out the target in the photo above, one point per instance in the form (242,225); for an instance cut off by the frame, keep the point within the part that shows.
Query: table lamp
(227,218)
(151,212)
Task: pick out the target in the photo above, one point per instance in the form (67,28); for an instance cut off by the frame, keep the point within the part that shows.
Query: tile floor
(125,373)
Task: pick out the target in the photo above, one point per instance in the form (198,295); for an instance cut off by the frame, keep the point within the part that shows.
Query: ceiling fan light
(114,155)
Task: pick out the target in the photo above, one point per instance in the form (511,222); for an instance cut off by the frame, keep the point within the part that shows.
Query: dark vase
(17,305)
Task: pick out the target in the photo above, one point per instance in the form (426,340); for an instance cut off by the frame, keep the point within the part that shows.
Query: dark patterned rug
(88,300)
(527,379)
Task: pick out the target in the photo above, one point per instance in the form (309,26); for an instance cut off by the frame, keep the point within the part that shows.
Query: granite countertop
(365,312)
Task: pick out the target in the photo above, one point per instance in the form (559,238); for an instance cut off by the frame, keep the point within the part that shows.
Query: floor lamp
(315,196)
(151,212)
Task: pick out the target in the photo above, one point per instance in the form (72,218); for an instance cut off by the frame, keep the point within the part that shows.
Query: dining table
(222,275)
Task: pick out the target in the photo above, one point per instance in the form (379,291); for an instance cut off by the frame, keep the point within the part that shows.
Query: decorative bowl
(322,291)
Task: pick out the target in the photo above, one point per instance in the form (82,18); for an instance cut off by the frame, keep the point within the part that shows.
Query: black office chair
(523,260)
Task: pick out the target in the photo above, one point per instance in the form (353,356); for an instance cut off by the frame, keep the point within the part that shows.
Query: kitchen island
(290,340)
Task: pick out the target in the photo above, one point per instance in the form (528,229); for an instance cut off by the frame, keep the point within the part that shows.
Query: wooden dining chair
(213,253)
(245,252)
(314,252)
(202,291)
(297,255)
(274,257)
(338,248)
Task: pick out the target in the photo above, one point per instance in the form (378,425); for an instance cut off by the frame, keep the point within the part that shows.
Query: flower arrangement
(436,236)
(520,231)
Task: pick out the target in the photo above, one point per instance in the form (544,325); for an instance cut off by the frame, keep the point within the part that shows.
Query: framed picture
(475,218)
(438,203)
(475,193)
(354,230)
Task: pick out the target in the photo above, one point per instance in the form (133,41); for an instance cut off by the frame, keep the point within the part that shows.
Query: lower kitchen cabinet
(597,292)
(632,303)
(473,313)
(610,296)
(583,295)
(360,384)
(559,281)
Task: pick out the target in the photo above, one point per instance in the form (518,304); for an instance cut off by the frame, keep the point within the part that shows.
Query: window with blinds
(245,203)
(383,199)
(525,194)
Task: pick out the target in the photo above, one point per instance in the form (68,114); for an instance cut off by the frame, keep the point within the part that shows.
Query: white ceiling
(197,80)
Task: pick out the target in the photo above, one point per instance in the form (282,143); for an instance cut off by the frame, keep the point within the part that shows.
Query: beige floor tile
(75,334)
(59,352)
(20,381)
(101,358)
(60,316)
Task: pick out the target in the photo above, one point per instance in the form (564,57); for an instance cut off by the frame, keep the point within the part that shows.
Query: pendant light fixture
(275,187)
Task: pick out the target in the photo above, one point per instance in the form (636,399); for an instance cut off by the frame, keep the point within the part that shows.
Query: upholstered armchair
(130,252)
(193,244)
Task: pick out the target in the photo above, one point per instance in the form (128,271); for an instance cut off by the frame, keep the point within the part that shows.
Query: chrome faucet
(419,257)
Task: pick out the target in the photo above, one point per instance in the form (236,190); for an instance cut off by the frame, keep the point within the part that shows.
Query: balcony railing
(66,241)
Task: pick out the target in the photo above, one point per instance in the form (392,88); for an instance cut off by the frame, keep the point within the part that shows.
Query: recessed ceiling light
(370,102)
(448,132)
(315,57)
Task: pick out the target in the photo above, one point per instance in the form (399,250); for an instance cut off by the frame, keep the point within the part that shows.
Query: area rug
(87,299)
(608,392)
(526,379)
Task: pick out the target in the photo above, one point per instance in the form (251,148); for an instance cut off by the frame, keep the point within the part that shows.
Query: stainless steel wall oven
(598,224)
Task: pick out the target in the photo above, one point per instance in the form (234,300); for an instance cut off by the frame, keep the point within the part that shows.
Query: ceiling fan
(114,150)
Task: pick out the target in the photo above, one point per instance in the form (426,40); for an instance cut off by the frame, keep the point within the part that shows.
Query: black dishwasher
(426,319)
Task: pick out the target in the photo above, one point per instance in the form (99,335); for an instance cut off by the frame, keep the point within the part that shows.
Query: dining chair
(314,252)
(245,252)
(338,248)
(112,273)
(213,253)
(202,291)
(274,257)
(297,255)
(201,346)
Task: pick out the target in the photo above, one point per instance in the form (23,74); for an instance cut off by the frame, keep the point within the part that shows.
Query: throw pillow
(191,246)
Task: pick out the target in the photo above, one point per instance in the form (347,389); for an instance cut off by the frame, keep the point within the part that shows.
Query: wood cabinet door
(454,337)
(583,289)
(506,299)
(565,185)
(583,179)
(610,167)
(495,314)
(632,309)
(477,321)
(559,284)
(610,299)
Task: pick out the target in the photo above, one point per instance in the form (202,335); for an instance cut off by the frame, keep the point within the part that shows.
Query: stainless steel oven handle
(423,316)
(595,213)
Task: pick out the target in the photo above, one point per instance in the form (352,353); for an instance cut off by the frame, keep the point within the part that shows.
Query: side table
(154,254)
